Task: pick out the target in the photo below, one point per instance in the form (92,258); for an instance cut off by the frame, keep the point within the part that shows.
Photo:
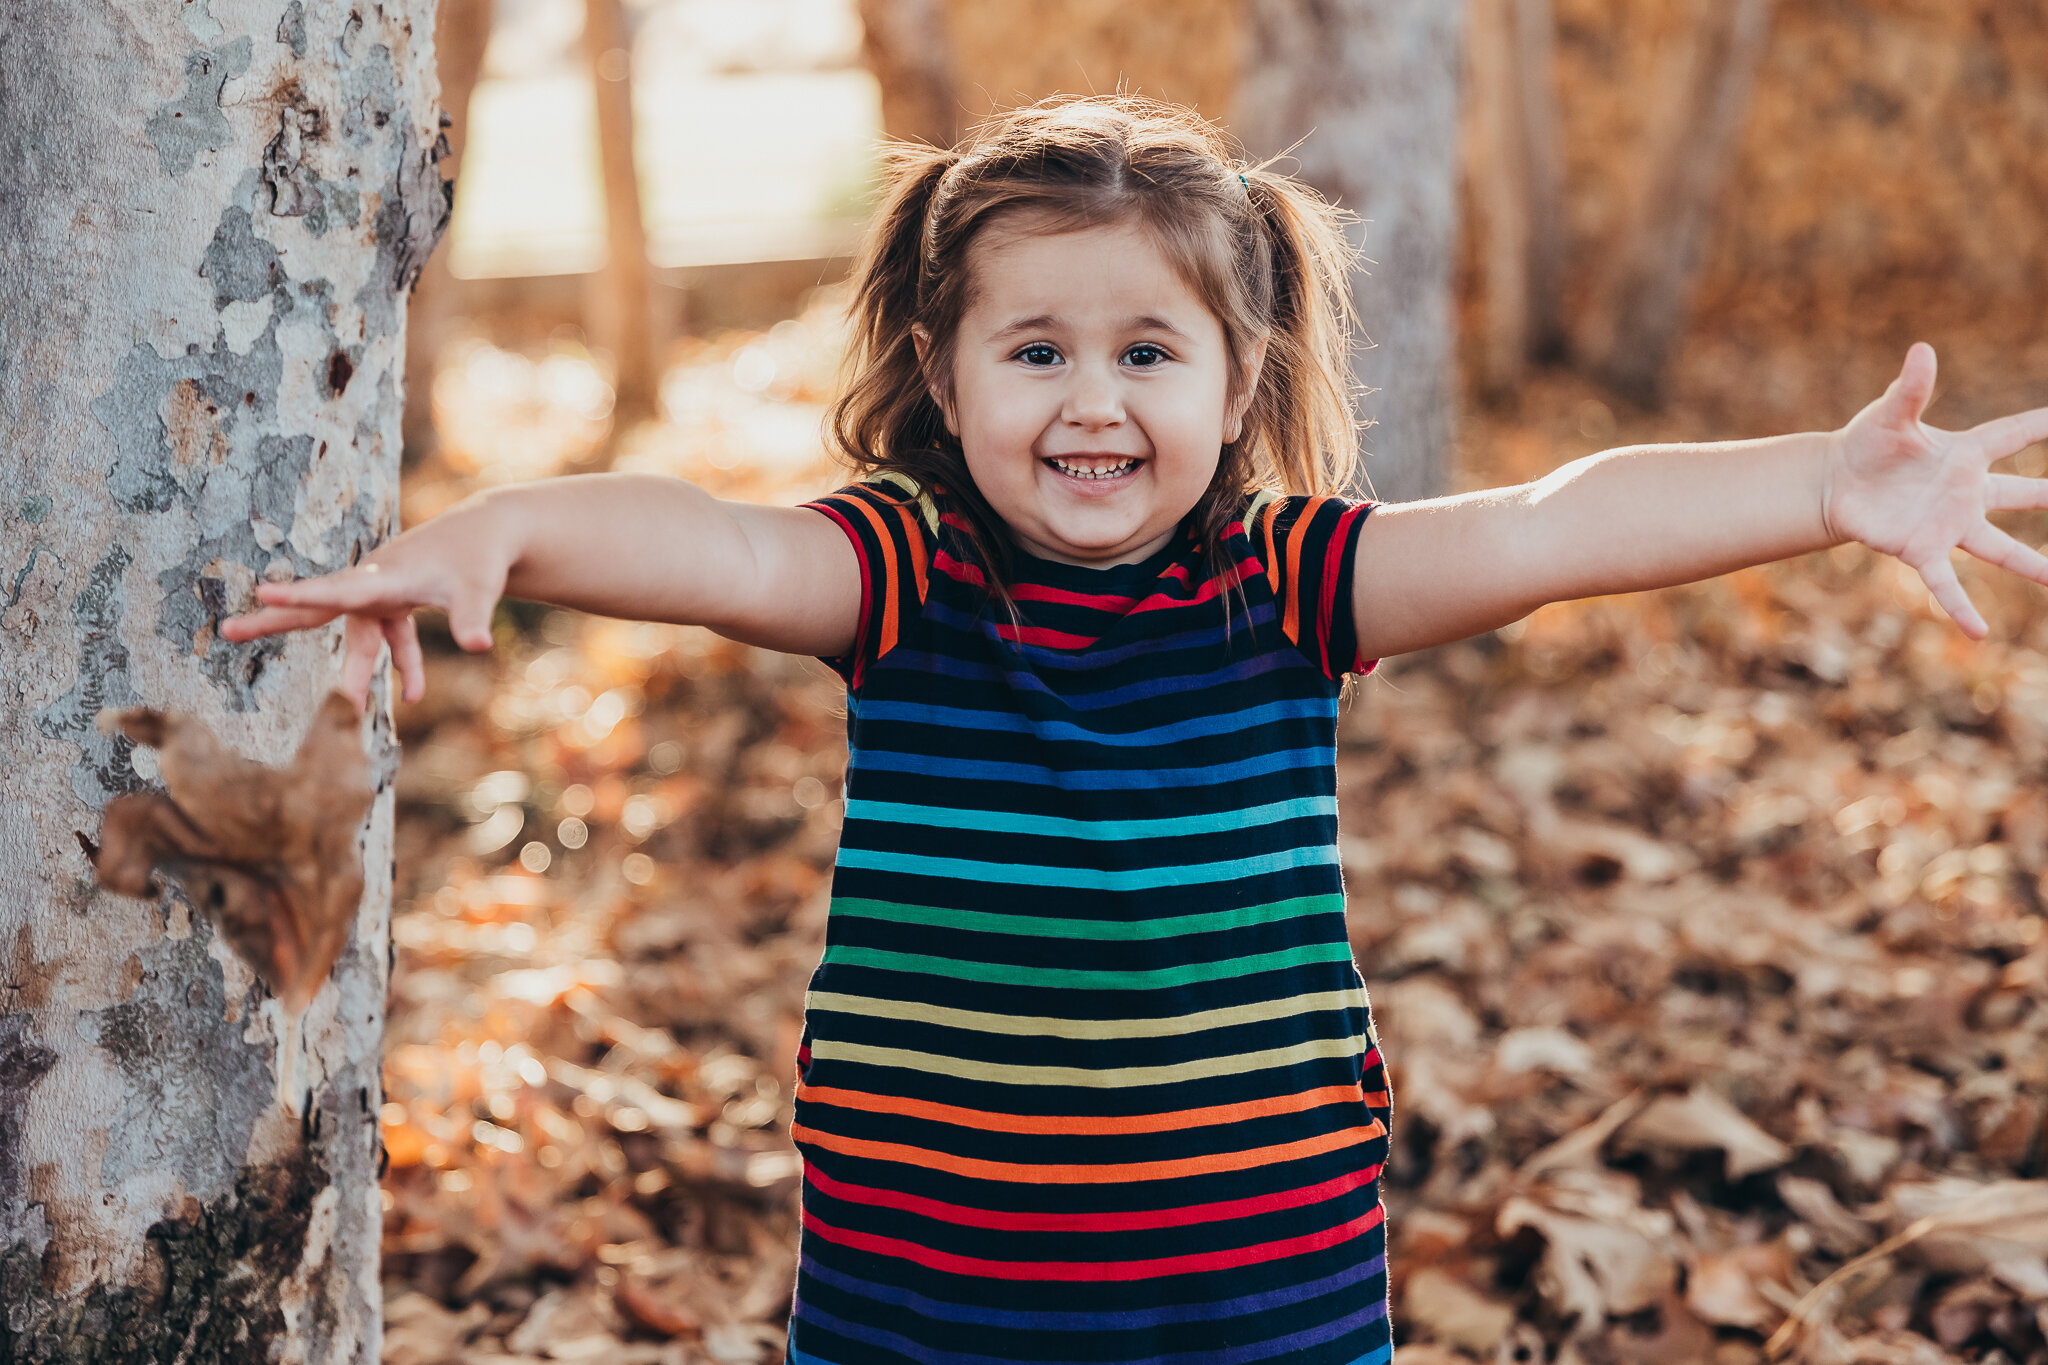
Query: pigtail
(885,411)
(885,417)
(1302,421)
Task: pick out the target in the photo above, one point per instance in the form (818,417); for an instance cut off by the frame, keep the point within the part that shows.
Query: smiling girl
(1088,1073)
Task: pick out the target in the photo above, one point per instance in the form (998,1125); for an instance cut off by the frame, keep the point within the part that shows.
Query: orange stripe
(913,537)
(886,595)
(1291,625)
(1272,555)
(1023,1173)
(1080,1125)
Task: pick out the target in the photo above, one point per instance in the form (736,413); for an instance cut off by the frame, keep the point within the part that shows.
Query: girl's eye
(1146,356)
(1039,353)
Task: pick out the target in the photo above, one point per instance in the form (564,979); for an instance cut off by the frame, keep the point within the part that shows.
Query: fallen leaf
(2001,1227)
(1722,1287)
(1699,1119)
(1445,1309)
(1595,1268)
(268,854)
(653,1311)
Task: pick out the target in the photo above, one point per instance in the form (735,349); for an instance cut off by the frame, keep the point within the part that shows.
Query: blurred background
(1704,927)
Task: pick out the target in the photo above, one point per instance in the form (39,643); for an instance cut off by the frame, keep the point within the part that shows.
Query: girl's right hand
(455,562)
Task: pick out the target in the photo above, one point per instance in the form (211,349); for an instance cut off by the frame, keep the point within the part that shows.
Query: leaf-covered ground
(1704,930)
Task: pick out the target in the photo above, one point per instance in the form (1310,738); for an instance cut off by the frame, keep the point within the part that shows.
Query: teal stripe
(1078,978)
(1087,878)
(1007,822)
(1125,931)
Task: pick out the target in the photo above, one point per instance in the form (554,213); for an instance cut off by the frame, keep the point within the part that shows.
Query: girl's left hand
(1917,492)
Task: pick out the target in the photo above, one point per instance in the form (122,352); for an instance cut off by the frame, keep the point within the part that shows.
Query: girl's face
(1089,391)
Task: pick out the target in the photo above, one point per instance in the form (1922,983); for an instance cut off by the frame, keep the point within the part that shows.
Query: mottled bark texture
(1373,87)
(212,213)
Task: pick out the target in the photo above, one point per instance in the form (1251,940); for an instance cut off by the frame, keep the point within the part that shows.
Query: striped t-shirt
(1087,1072)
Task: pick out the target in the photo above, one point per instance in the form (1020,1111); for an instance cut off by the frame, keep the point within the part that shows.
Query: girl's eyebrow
(1144,322)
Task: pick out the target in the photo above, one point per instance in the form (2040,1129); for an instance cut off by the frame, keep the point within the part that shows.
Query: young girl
(1087,1072)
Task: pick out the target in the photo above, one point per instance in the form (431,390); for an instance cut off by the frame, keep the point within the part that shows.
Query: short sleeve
(891,524)
(1309,547)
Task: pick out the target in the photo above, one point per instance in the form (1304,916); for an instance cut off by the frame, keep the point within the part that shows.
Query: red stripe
(1091,1222)
(1190,1264)
(829,507)
(1332,559)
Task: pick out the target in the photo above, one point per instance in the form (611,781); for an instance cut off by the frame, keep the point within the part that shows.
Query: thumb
(1914,388)
(469,621)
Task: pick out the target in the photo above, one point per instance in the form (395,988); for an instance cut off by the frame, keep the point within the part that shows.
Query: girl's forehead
(1117,268)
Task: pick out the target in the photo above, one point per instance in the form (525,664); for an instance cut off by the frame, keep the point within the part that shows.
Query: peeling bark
(1372,85)
(214,214)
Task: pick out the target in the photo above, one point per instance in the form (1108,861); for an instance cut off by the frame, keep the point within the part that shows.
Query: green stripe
(1123,931)
(1009,974)
(1169,1073)
(1053,1026)
(1115,831)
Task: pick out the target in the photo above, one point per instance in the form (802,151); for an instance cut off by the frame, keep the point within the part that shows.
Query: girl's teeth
(1084,472)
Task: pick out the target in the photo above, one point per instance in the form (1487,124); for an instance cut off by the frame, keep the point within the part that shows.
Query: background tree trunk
(1513,161)
(462,32)
(621,311)
(906,45)
(214,213)
(1702,101)
(1373,86)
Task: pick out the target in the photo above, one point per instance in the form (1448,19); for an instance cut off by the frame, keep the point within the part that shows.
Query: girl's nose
(1094,400)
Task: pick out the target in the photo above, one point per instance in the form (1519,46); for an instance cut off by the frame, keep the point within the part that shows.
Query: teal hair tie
(1244,182)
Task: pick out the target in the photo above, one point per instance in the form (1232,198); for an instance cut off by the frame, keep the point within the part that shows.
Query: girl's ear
(922,339)
(1247,389)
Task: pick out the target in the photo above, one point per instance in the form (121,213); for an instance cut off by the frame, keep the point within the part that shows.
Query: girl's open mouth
(1094,469)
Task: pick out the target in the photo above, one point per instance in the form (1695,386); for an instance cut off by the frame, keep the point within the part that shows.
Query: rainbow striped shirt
(1087,1072)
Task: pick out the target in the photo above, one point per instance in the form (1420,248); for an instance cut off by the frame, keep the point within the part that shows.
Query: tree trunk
(1689,140)
(1373,87)
(213,214)
(1513,162)
(462,30)
(906,46)
(622,316)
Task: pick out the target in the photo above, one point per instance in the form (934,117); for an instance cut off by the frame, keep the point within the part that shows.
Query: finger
(365,641)
(404,639)
(1994,546)
(273,621)
(367,587)
(1940,577)
(2016,493)
(1910,393)
(469,621)
(2003,436)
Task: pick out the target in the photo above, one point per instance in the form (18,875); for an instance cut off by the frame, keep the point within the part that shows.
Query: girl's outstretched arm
(629,545)
(1652,516)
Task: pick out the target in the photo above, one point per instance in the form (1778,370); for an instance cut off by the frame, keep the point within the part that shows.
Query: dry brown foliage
(268,854)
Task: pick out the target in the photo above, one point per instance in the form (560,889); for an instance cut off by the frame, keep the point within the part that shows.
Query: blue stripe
(1094,779)
(1127,1320)
(1229,1355)
(1088,878)
(1008,722)
(1059,827)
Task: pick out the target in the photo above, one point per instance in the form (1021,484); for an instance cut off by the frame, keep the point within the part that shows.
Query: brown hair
(1267,254)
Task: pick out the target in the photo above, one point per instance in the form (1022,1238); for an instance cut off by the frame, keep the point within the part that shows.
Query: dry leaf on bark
(268,854)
